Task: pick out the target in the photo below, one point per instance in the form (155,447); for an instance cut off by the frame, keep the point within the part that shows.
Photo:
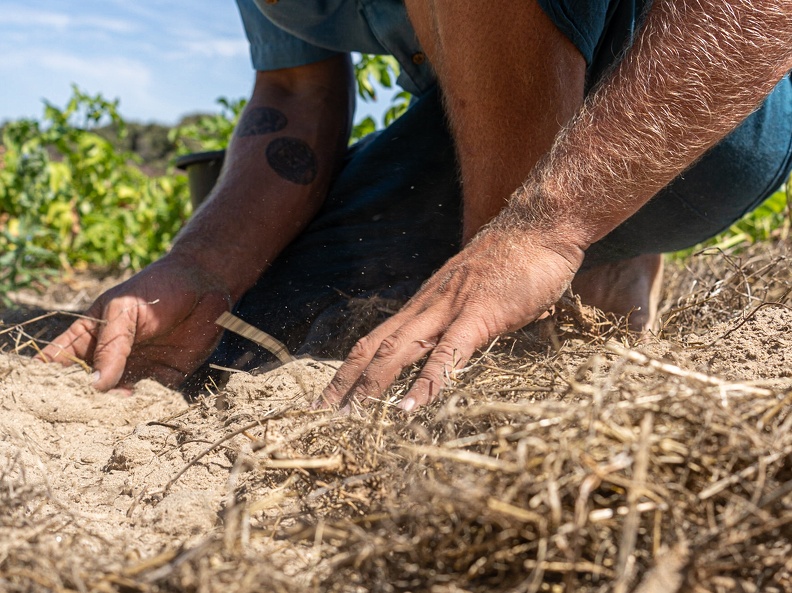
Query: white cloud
(20,15)
(106,24)
(162,59)
(215,48)
(113,69)
(32,18)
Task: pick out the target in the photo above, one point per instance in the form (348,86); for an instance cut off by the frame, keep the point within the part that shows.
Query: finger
(120,391)
(396,352)
(170,358)
(355,363)
(377,359)
(114,344)
(451,354)
(76,343)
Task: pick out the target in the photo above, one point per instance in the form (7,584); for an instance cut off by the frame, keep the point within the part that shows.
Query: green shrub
(211,131)
(68,197)
(383,70)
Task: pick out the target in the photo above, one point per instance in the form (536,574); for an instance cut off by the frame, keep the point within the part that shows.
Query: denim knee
(730,180)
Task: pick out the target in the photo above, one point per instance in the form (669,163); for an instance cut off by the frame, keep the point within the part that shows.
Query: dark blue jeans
(392,217)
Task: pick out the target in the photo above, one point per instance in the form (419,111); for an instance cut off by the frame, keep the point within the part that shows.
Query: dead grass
(566,458)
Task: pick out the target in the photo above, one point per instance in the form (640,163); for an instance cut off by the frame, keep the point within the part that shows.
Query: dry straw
(566,458)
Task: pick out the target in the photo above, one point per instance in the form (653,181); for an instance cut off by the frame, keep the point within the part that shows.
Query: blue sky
(162,59)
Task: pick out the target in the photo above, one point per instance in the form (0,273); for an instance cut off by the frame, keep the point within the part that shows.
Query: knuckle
(368,386)
(487,328)
(390,346)
(83,326)
(441,366)
(332,392)
(110,347)
(425,390)
(443,353)
(480,325)
(362,350)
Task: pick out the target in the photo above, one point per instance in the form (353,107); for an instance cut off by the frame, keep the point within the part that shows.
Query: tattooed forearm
(292,159)
(261,120)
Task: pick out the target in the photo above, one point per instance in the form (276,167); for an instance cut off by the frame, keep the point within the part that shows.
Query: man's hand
(500,282)
(695,71)
(159,324)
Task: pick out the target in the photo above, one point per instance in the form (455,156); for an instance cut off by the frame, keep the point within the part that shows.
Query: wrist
(220,267)
(545,216)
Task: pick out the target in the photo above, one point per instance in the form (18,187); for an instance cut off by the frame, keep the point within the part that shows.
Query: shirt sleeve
(582,22)
(272,48)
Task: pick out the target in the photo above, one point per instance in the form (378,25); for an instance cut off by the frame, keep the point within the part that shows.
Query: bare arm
(285,150)
(160,323)
(697,69)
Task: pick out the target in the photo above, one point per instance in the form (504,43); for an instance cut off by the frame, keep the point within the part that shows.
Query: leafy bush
(150,142)
(382,70)
(211,131)
(69,198)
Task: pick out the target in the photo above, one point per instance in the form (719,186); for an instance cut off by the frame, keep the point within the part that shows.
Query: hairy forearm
(696,70)
(279,165)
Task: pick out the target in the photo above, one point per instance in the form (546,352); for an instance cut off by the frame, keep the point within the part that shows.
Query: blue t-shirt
(288,33)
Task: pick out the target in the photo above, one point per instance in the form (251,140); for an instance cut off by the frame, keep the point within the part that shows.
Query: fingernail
(95,377)
(407,404)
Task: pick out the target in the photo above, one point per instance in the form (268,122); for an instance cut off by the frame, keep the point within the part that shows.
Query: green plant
(68,197)
(208,131)
(370,71)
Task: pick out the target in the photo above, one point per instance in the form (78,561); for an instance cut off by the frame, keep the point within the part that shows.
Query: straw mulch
(565,458)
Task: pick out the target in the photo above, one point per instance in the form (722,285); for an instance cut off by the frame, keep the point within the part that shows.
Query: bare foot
(630,288)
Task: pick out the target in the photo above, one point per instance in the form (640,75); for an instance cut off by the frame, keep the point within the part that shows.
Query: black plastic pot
(203,169)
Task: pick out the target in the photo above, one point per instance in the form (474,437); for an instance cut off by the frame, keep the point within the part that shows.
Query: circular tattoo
(292,159)
(261,120)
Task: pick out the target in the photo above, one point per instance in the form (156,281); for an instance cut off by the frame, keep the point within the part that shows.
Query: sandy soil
(560,463)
